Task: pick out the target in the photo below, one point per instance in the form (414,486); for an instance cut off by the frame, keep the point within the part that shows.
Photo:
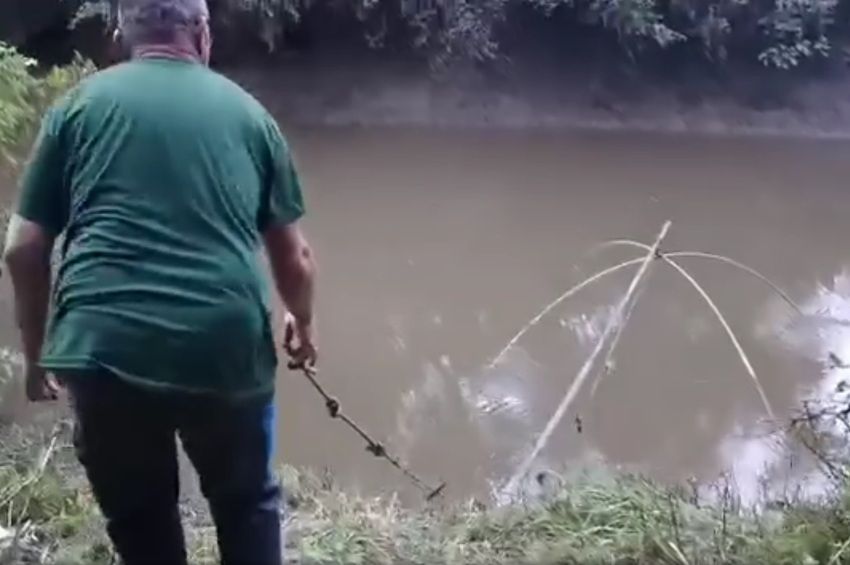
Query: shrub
(25,94)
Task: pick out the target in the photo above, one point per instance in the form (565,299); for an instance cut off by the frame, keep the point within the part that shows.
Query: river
(437,246)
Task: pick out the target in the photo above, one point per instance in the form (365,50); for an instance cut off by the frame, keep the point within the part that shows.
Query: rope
(374,447)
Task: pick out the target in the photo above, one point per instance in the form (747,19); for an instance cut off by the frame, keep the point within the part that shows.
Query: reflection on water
(822,335)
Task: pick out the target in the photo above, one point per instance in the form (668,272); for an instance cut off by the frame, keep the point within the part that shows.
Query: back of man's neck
(166,51)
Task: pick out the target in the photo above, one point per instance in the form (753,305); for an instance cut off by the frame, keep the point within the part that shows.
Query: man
(165,179)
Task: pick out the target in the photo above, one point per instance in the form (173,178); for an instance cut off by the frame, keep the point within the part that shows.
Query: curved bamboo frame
(617,325)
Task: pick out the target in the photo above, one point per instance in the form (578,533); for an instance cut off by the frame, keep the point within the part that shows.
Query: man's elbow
(298,266)
(289,251)
(24,257)
(306,258)
(12,255)
(27,246)
(15,252)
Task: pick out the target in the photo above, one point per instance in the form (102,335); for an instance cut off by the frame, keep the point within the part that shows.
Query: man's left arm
(41,215)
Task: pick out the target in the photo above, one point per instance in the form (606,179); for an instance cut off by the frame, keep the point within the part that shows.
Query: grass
(48,516)
(622,520)
(47,513)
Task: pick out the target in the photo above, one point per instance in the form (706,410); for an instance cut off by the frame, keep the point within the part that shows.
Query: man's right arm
(294,272)
(41,215)
(290,256)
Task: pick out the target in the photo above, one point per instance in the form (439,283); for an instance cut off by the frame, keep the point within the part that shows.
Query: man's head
(177,24)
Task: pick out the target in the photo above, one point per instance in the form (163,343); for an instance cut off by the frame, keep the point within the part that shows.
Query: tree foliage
(25,93)
(778,33)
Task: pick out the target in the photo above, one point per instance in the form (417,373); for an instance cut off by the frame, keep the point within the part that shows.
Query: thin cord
(374,447)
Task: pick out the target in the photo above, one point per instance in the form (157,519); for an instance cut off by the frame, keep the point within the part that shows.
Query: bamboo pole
(552,305)
(569,398)
(736,343)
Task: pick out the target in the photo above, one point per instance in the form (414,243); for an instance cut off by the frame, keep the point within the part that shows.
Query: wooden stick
(568,399)
(552,305)
(736,343)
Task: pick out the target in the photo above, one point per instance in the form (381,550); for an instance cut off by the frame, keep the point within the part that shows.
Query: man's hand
(27,254)
(300,343)
(41,386)
(294,272)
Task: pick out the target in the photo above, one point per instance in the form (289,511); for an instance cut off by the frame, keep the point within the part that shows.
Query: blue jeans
(126,440)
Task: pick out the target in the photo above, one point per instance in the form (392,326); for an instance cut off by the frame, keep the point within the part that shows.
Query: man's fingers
(289,335)
(307,354)
(41,389)
(300,357)
(42,394)
(48,392)
(52,383)
(51,388)
(303,358)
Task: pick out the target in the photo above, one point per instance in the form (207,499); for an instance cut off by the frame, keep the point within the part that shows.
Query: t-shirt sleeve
(282,199)
(44,197)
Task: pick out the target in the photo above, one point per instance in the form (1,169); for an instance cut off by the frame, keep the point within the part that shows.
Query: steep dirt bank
(362,94)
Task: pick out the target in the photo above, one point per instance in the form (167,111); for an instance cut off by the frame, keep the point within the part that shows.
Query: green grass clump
(25,93)
(622,520)
(592,519)
(44,511)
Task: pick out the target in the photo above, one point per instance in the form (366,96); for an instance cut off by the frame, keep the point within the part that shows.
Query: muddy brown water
(437,246)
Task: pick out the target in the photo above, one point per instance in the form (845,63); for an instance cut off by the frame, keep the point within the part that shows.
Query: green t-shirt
(162,175)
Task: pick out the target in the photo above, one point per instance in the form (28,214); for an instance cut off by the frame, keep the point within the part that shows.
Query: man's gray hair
(158,21)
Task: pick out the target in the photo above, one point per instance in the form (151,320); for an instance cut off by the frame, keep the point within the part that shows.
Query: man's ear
(203,39)
(118,51)
(208,43)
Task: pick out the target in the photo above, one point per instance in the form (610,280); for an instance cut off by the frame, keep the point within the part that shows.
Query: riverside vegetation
(47,514)
(780,34)
(739,65)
